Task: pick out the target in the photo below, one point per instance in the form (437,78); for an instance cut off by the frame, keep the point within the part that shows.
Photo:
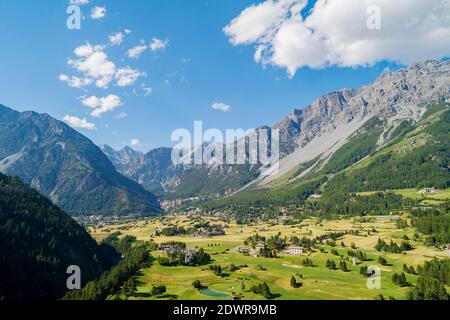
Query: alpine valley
(363,185)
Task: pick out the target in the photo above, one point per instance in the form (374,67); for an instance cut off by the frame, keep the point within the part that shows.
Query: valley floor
(317,282)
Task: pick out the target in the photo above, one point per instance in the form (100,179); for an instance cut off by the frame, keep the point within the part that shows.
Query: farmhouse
(178,249)
(204,234)
(259,247)
(171,247)
(294,251)
(188,255)
(429,190)
(244,250)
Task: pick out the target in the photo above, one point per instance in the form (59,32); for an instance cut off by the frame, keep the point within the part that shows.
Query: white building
(259,247)
(244,250)
(294,251)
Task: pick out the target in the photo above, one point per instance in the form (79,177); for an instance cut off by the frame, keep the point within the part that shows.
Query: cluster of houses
(292,251)
(204,234)
(429,190)
(254,252)
(104,221)
(172,249)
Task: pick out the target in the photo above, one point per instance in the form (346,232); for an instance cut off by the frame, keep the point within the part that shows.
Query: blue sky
(197,68)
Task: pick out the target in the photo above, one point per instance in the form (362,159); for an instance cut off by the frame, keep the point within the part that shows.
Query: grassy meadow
(317,282)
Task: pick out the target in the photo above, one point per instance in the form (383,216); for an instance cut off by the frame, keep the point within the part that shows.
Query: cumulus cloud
(155,45)
(333,33)
(147,90)
(116,38)
(101,105)
(135,142)
(128,76)
(75,82)
(75,122)
(98,13)
(79,2)
(136,52)
(221,106)
(121,115)
(158,44)
(94,64)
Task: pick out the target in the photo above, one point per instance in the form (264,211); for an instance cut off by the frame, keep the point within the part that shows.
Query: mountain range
(67,167)
(311,138)
(317,142)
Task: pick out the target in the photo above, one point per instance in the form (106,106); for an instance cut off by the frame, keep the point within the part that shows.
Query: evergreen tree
(158,290)
(293,282)
(400,279)
(382,261)
(343,266)
(265,291)
(129,288)
(197,284)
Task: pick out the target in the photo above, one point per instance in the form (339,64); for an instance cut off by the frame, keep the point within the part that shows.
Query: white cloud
(147,90)
(136,52)
(75,82)
(98,13)
(79,2)
(158,44)
(155,45)
(337,34)
(94,65)
(101,105)
(116,38)
(86,50)
(135,142)
(78,123)
(121,115)
(128,76)
(221,107)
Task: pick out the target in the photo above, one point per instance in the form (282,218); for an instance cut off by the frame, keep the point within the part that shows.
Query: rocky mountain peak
(67,167)
(327,123)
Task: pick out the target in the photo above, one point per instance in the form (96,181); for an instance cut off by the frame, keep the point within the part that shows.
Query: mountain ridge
(67,167)
(312,135)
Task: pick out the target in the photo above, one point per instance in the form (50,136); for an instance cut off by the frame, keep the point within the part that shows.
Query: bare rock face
(325,125)
(302,125)
(407,91)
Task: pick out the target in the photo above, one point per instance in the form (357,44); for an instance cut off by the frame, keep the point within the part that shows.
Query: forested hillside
(419,158)
(38,242)
(415,156)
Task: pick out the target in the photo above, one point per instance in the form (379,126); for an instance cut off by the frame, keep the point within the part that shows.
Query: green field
(426,199)
(317,282)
